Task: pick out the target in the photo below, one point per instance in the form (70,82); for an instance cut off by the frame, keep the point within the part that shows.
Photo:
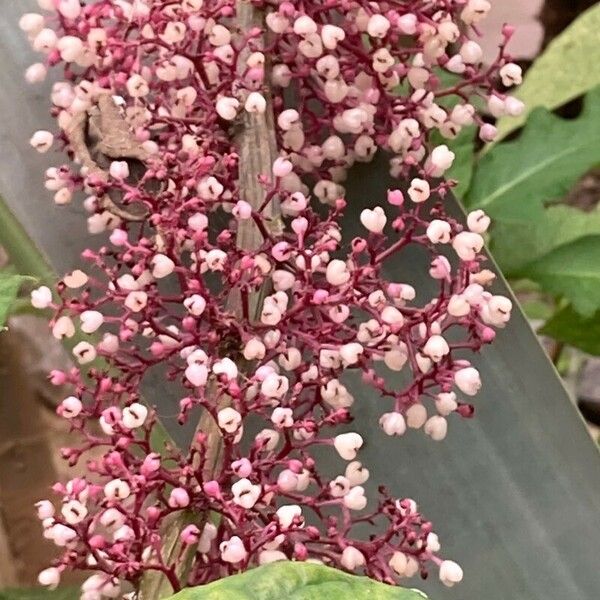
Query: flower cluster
(259,336)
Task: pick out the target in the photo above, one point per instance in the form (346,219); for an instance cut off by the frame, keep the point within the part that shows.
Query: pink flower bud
(179,498)
(395,197)
(190,535)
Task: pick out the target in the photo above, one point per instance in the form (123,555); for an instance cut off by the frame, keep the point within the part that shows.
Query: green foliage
(573,271)
(40,594)
(288,580)
(567,69)
(10,284)
(571,328)
(518,242)
(514,179)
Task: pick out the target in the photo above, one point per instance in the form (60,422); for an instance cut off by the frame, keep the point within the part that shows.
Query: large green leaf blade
(573,271)
(514,179)
(288,580)
(518,242)
(569,327)
(567,69)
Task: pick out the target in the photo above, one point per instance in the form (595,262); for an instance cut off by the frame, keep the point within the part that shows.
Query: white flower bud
(84,353)
(134,415)
(71,407)
(458,306)
(378,26)
(355,499)
(496,311)
(226,367)
(49,577)
(450,573)
(392,316)
(136,301)
(471,52)
(274,386)
(419,190)
(352,558)
(436,428)
(373,220)
(356,473)
(351,353)
(233,550)
(478,221)
(42,141)
(511,74)
(117,489)
(337,272)
(416,416)
(91,320)
(468,380)
(36,73)
(304,26)
(467,245)
(332,35)
(439,231)
(162,266)
(436,348)
(445,403)
(255,103)
(245,493)
(41,297)
(441,160)
(227,108)
(393,423)
(195,304)
(287,514)
(229,419)
(348,444)
(73,512)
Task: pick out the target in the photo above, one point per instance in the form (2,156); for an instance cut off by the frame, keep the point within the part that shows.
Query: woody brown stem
(257,151)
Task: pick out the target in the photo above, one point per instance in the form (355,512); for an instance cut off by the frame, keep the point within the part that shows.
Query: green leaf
(514,179)
(567,69)
(40,594)
(10,283)
(288,580)
(573,271)
(571,328)
(517,242)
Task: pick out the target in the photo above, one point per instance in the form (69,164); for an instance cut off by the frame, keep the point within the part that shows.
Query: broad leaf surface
(514,179)
(287,580)
(518,242)
(569,327)
(567,69)
(572,271)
